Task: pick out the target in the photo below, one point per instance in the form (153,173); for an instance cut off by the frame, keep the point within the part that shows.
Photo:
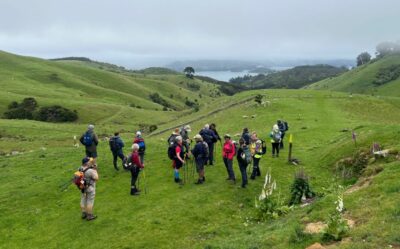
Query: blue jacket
(199,150)
(208,136)
(118,142)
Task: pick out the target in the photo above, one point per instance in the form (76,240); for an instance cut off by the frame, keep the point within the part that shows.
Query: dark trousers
(134,176)
(117,154)
(275,148)
(256,167)
(211,153)
(229,168)
(243,168)
(281,144)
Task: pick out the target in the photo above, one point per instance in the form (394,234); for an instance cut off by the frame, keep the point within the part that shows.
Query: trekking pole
(214,153)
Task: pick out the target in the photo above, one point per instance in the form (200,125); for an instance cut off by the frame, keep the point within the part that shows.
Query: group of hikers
(249,149)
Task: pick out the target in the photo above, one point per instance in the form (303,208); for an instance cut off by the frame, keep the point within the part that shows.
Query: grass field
(39,209)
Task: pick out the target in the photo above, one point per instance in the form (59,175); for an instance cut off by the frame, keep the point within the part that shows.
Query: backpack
(127,162)
(206,151)
(276,136)
(286,125)
(206,136)
(79,179)
(171,151)
(142,146)
(113,144)
(264,147)
(171,139)
(87,139)
(246,155)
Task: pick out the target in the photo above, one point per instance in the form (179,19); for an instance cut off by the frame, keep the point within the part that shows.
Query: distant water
(223,75)
(227,75)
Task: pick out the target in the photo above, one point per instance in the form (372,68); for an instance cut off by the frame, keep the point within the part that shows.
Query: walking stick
(214,153)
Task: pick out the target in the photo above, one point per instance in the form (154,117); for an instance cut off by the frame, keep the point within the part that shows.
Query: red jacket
(136,160)
(229,150)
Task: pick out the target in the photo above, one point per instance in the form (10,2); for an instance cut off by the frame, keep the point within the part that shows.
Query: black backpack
(171,151)
(113,144)
(286,125)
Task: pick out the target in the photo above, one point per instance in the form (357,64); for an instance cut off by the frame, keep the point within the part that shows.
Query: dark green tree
(189,72)
(363,58)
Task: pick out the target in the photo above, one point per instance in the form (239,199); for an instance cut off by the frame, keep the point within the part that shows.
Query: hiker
(209,137)
(142,146)
(283,127)
(256,149)
(276,138)
(184,132)
(246,136)
(228,152)
(200,153)
(90,140)
(90,177)
(177,157)
(243,157)
(136,167)
(172,138)
(116,145)
(213,127)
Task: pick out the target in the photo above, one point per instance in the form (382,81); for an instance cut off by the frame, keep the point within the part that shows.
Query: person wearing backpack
(176,154)
(228,152)
(90,140)
(90,177)
(276,137)
(200,153)
(116,145)
(135,168)
(244,159)
(209,137)
(257,151)
(246,136)
(142,146)
(184,133)
(172,138)
(283,127)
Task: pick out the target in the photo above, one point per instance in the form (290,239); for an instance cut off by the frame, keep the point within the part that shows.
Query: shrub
(23,110)
(300,188)
(193,86)
(156,98)
(55,113)
(385,75)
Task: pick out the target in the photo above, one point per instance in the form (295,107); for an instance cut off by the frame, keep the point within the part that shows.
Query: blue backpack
(87,139)
(142,146)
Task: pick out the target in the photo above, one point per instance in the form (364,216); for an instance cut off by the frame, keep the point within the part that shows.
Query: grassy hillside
(37,205)
(364,79)
(99,95)
(293,78)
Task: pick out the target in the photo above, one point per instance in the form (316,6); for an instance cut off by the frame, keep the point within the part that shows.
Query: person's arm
(178,152)
(95,175)
(121,143)
(95,139)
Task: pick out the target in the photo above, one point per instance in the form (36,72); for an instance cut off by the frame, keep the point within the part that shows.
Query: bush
(300,188)
(156,98)
(193,86)
(23,110)
(55,113)
(385,75)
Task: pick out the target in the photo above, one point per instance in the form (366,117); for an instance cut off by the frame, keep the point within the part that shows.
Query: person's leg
(281,144)
(230,170)
(277,149)
(83,206)
(273,149)
(115,158)
(211,153)
(134,176)
(89,205)
(226,166)
(243,172)
(141,156)
(254,172)
(258,173)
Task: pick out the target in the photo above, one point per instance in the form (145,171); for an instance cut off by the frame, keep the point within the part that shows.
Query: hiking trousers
(256,167)
(210,153)
(243,168)
(275,149)
(117,154)
(229,168)
(134,176)
(281,144)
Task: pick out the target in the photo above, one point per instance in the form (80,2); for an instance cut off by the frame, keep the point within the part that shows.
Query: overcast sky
(153,32)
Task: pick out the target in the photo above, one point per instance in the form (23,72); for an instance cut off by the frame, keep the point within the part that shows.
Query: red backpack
(79,179)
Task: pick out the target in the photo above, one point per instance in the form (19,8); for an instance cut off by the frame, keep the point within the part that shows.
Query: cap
(187,128)
(138,133)
(90,127)
(198,137)
(227,136)
(85,160)
(258,142)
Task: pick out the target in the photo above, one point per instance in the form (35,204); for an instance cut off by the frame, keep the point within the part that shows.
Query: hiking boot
(199,181)
(258,172)
(253,176)
(84,215)
(243,186)
(203,179)
(134,191)
(91,217)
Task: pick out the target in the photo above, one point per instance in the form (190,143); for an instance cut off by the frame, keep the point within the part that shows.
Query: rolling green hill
(37,160)
(375,78)
(99,95)
(293,78)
